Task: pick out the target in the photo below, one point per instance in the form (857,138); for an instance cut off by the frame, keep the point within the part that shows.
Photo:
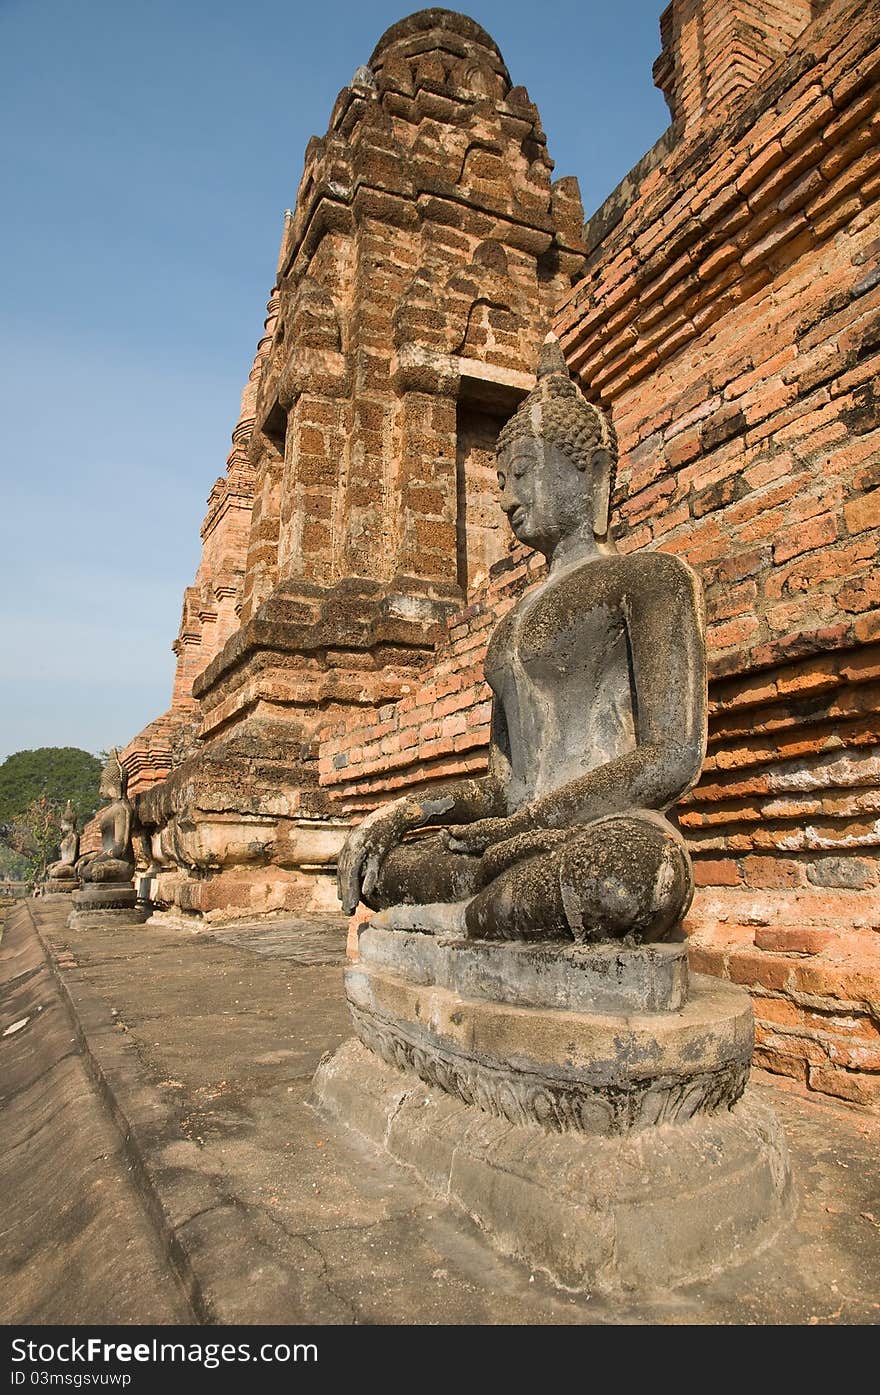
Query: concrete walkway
(164,1164)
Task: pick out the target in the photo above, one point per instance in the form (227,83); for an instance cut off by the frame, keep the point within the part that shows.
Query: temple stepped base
(633,1213)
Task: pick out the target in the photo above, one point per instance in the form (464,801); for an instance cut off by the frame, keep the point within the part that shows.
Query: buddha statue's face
(543,493)
(111,785)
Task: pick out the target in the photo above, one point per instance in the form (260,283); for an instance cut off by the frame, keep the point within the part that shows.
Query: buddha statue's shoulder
(621,574)
(655,569)
(610,584)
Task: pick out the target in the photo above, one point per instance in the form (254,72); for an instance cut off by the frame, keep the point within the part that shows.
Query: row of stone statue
(114,863)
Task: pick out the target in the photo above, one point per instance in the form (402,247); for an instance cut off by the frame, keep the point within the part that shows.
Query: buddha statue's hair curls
(115,771)
(557,410)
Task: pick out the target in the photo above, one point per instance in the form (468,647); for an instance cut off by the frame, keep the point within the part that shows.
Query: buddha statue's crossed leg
(104,868)
(621,875)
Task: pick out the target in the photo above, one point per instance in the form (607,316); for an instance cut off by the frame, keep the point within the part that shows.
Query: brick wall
(442,728)
(730,320)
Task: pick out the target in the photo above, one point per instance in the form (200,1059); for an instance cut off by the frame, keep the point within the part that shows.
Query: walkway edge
(106,1053)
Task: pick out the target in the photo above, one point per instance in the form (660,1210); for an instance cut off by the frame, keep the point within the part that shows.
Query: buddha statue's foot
(61,872)
(437,918)
(625,875)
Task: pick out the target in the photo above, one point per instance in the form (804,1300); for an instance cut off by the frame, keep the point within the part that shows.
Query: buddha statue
(598,676)
(115,861)
(64,870)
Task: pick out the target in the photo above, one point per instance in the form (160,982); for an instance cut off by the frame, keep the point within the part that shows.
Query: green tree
(35,834)
(56,773)
(12,864)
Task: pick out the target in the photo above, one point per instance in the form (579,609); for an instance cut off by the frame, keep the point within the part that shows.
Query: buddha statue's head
(113,778)
(557,457)
(68,818)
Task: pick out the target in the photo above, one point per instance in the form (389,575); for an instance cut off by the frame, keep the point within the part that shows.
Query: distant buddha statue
(64,870)
(599,722)
(115,861)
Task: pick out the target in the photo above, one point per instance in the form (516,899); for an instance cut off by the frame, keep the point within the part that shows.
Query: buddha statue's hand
(476,837)
(366,848)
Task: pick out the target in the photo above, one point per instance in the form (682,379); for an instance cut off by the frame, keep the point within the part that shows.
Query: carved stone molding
(530,1096)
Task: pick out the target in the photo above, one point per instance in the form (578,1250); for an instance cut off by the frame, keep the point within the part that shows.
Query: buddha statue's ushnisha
(599,722)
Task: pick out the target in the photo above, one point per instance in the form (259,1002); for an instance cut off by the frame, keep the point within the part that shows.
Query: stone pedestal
(58,886)
(105,904)
(584,1105)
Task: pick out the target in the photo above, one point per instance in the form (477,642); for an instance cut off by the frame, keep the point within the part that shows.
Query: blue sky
(148,153)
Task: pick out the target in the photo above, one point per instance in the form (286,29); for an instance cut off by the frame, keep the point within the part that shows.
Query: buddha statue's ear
(601,471)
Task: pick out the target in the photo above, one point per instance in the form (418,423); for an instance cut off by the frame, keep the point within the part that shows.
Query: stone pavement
(162,1162)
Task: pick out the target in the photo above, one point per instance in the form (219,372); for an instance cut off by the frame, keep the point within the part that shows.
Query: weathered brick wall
(729,321)
(715,50)
(439,730)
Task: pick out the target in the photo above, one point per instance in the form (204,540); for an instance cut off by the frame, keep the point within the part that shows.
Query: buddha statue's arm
(121,831)
(368,845)
(666,626)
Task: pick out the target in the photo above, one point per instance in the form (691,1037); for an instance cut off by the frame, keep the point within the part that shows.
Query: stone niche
(418,274)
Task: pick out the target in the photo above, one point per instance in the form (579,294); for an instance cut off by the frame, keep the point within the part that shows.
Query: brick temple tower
(417,277)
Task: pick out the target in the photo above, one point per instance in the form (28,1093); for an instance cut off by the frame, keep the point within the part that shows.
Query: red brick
(772,872)
(867,627)
(716,873)
(792,940)
(817,532)
(863,513)
(759,969)
(732,632)
(781,1063)
(854,1086)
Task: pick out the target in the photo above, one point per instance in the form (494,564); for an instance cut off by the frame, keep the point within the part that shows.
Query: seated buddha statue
(115,861)
(64,870)
(598,677)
